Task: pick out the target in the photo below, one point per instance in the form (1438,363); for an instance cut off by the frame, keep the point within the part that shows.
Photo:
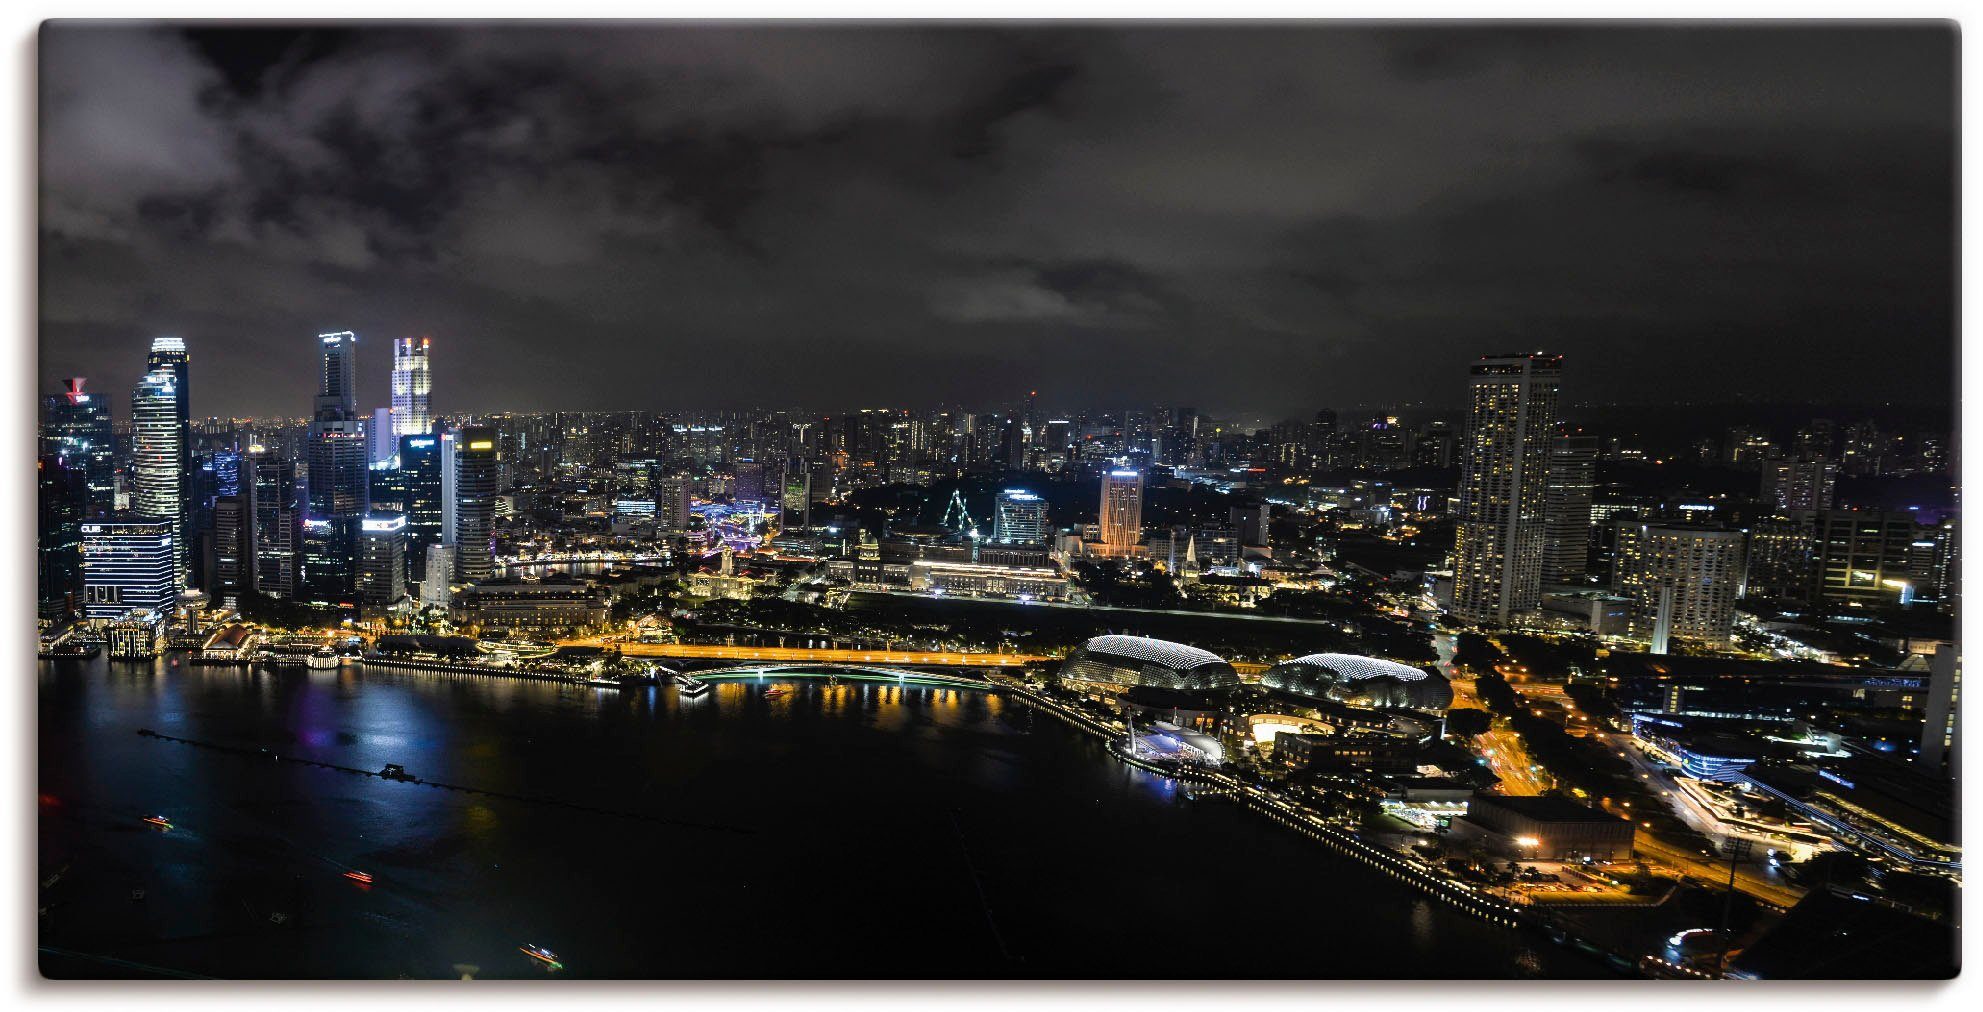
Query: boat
(360,877)
(395,771)
(689,688)
(775,691)
(541,954)
(159,820)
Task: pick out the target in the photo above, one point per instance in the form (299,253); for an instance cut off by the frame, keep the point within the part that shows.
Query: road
(718,651)
(1748,879)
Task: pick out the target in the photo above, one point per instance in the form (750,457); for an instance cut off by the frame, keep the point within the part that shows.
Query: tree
(1466,722)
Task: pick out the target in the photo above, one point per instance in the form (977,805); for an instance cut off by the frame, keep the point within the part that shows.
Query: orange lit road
(1714,872)
(718,651)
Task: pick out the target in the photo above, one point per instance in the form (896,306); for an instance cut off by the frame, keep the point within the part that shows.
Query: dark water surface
(850,831)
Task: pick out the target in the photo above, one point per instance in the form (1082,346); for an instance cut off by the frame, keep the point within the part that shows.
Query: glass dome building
(1360,681)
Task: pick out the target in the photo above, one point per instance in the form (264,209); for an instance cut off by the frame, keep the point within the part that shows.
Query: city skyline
(1252,260)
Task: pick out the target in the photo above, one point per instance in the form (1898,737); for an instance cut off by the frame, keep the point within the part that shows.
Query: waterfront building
(1113,663)
(1567,506)
(76,428)
(553,606)
(412,383)
(977,579)
(1497,557)
(1020,518)
(62,496)
(1121,511)
(159,457)
(478,463)
(138,635)
(382,561)
(1682,582)
(1354,680)
(1544,829)
(128,565)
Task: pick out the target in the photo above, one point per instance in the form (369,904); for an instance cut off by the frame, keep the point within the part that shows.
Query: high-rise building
(1863,556)
(339,480)
(169,353)
(749,481)
(1497,557)
(412,382)
(421,487)
(437,575)
(62,497)
(233,547)
(1799,484)
(76,428)
(478,465)
(127,566)
(1941,733)
(1682,582)
(1122,510)
(671,502)
(1780,557)
(1020,518)
(795,505)
(337,376)
(382,561)
(161,479)
(278,546)
(379,434)
(1567,506)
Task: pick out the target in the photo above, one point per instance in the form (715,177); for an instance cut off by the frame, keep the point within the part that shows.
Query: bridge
(852,672)
(724,652)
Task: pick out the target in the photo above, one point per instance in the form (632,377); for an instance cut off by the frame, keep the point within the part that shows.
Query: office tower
(169,353)
(671,502)
(1020,518)
(1250,525)
(1386,445)
(160,485)
(478,462)
(1799,484)
(795,505)
(75,427)
(339,479)
(1121,511)
(412,381)
(1497,557)
(1780,557)
(382,561)
(278,524)
(1941,733)
(384,442)
(749,484)
(234,547)
(1567,506)
(337,376)
(128,565)
(437,573)
(1863,556)
(1947,568)
(385,484)
(1434,445)
(450,493)
(1682,582)
(421,490)
(61,500)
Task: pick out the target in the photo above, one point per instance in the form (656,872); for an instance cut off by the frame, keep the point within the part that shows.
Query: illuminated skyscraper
(795,506)
(1497,558)
(61,494)
(75,428)
(420,478)
(158,460)
(339,476)
(1682,581)
(382,565)
(1021,518)
(337,379)
(412,380)
(127,565)
(278,523)
(1122,511)
(478,463)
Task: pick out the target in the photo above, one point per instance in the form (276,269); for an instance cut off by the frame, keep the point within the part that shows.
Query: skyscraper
(420,479)
(158,461)
(1020,518)
(127,565)
(75,427)
(1497,557)
(1863,556)
(478,464)
(339,476)
(1799,484)
(1567,506)
(795,505)
(1121,511)
(61,494)
(412,381)
(169,353)
(278,524)
(379,434)
(234,545)
(382,564)
(1682,581)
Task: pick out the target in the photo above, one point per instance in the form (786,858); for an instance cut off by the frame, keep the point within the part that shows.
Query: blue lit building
(128,565)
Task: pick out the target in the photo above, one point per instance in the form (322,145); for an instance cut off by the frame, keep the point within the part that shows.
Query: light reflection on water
(857,817)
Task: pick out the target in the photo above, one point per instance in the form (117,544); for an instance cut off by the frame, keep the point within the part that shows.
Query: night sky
(1261,221)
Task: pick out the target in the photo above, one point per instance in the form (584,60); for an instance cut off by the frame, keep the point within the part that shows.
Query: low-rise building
(1545,828)
(552,606)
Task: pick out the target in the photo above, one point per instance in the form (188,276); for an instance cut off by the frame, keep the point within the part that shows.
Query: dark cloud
(1271,219)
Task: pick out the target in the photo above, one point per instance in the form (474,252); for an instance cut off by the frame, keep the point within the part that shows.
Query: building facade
(1682,582)
(1502,519)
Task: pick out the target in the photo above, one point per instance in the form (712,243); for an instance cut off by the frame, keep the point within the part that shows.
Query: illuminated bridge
(800,655)
(853,672)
